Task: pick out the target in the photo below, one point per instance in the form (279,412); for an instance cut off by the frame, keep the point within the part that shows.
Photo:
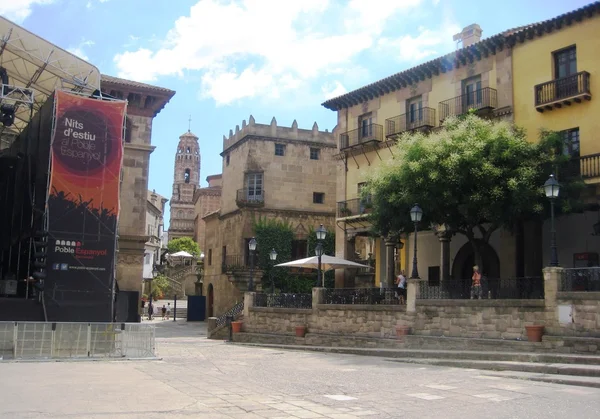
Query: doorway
(210,305)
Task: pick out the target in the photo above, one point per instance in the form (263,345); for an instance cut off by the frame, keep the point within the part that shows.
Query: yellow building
(540,76)
(556,84)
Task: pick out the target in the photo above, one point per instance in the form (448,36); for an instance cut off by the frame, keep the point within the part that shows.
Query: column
(552,276)
(444,256)
(390,246)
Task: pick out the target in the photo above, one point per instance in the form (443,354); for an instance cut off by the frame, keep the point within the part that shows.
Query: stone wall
(584,308)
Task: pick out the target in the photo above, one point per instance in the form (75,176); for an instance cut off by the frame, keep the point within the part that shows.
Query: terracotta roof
(459,58)
(131,83)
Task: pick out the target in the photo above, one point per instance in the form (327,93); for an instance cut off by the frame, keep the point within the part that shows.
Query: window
(209,257)
(299,249)
(224,256)
(186,176)
(254,186)
(472,93)
(314,153)
(414,111)
(318,198)
(128,128)
(565,62)
(187,150)
(280,149)
(571,142)
(227,160)
(365,122)
(366,201)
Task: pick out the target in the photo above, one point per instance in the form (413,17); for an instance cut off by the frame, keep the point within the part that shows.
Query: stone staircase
(217,326)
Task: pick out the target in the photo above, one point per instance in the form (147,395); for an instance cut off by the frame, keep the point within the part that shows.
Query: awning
(36,68)
(327,263)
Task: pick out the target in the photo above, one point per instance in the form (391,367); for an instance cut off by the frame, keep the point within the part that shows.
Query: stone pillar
(445,257)
(248,302)
(318,297)
(412,291)
(552,276)
(212,324)
(390,245)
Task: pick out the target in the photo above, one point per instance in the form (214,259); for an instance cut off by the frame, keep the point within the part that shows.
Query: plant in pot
(402,330)
(236,326)
(534,332)
(300,331)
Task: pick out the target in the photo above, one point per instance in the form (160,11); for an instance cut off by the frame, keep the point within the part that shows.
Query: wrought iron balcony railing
(362,296)
(589,166)
(420,118)
(233,263)
(352,207)
(530,288)
(580,279)
(486,98)
(363,135)
(250,197)
(558,92)
(283,300)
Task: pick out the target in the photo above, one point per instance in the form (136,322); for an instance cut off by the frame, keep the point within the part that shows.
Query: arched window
(186,176)
(179,151)
(187,150)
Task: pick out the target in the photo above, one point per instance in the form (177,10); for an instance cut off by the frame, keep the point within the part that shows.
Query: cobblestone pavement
(200,378)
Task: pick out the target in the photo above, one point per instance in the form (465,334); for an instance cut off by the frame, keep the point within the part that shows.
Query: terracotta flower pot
(236,327)
(300,331)
(402,331)
(534,333)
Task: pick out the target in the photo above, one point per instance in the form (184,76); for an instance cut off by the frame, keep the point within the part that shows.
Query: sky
(229,59)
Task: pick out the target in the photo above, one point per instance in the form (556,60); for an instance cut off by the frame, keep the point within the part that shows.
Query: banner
(83,201)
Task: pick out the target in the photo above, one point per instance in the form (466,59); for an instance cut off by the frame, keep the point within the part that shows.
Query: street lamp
(416,214)
(321,234)
(273,257)
(552,189)
(252,248)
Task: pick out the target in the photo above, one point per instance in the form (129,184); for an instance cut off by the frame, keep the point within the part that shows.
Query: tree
(273,234)
(160,286)
(184,243)
(473,175)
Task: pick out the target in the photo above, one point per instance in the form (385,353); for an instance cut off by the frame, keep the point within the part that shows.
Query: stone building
(272,172)
(144,103)
(186,180)
(155,225)
(206,200)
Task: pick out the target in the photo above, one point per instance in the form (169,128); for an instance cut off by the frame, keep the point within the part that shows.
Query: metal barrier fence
(234,312)
(580,279)
(530,288)
(361,296)
(38,340)
(283,300)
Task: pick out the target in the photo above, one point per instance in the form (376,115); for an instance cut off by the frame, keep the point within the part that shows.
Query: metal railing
(589,166)
(528,288)
(234,312)
(232,263)
(37,340)
(580,279)
(283,300)
(351,207)
(563,88)
(250,196)
(362,135)
(420,118)
(486,98)
(366,296)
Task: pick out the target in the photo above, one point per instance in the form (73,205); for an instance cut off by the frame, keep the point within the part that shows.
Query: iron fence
(350,207)
(37,340)
(234,312)
(563,88)
(528,288)
(479,99)
(365,296)
(580,279)
(417,118)
(283,300)
(372,133)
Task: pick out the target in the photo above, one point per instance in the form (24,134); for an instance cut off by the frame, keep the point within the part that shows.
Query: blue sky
(227,59)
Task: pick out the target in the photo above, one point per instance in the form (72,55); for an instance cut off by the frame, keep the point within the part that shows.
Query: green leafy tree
(184,243)
(160,287)
(473,175)
(273,234)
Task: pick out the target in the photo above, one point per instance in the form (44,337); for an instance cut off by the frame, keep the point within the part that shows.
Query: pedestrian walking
(401,281)
(163,312)
(150,311)
(476,285)
(168,310)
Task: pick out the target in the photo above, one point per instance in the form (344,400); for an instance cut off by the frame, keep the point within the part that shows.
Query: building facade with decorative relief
(269,172)
(144,103)
(206,200)
(155,225)
(186,181)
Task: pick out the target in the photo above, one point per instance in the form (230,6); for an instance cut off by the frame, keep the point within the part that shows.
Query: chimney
(469,36)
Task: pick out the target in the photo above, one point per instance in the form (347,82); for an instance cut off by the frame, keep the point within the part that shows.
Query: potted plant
(402,330)
(300,331)
(236,326)
(345,212)
(534,333)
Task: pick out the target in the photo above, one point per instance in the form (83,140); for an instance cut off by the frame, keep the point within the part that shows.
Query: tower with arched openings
(186,180)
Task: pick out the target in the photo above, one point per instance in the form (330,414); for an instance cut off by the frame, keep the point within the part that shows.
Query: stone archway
(462,268)
(210,302)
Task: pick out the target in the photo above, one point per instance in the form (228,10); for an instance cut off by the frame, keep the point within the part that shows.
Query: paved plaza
(200,378)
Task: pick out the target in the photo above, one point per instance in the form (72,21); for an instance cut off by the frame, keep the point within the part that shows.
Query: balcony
(480,100)
(367,134)
(250,197)
(563,91)
(423,118)
(353,207)
(238,272)
(589,166)
(233,263)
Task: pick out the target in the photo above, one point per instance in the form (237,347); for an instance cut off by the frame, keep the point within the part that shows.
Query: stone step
(593,382)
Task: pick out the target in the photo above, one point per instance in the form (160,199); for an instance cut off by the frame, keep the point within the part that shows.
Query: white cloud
(18,10)
(332,90)
(79,51)
(263,48)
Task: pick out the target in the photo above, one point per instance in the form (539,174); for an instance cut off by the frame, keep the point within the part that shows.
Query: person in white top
(401,281)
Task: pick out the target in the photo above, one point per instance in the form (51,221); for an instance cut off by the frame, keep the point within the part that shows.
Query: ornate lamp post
(416,214)
(273,257)
(252,248)
(552,189)
(199,274)
(321,234)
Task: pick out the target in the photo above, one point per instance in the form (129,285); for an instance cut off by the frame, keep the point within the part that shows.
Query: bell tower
(186,181)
